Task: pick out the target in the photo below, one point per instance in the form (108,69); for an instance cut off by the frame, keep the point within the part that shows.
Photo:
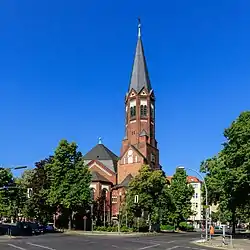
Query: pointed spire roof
(139,77)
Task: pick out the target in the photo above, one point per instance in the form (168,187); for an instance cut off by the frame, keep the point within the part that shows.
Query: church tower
(139,145)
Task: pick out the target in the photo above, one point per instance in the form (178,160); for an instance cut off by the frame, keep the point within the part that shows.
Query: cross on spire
(139,77)
(100,140)
(139,27)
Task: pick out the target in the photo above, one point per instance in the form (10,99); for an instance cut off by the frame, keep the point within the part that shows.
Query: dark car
(34,228)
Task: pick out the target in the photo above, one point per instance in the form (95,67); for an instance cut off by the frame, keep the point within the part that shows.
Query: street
(168,241)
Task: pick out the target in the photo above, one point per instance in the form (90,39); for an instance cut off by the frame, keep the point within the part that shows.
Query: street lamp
(206,193)
(14,168)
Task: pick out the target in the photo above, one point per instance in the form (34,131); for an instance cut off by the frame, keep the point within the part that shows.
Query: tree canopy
(69,179)
(181,193)
(228,172)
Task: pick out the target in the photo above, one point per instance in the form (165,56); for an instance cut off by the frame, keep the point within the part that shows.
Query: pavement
(168,241)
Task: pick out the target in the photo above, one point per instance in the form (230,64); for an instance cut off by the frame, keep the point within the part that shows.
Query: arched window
(152,111)
(132,111)
(104,193)
(130,156)
(141,110)
(92,192)
(145,110)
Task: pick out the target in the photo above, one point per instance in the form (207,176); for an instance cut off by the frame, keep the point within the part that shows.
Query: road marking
(149,246)
(172,248)
(35,245)
(114,246)
(20,248)
(172,241)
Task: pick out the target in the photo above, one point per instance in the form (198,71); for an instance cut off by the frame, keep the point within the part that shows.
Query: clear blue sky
(65,68)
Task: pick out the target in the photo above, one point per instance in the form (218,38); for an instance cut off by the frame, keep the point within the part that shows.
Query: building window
(195,185)
(136,158)
(152,158)
(124,160)
(132,112)
(152,111)
(196,205)
(130,156)
(196,195)
(92,191)
(143,110)
(114,199)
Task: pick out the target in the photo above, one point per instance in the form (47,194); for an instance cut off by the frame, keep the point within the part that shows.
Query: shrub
(125,229)
(184,226)
(167,227)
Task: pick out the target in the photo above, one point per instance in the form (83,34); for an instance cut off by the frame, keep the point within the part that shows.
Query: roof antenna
(100,140)
(139,27)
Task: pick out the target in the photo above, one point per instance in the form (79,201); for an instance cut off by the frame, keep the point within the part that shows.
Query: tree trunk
(71,215)
(233,220)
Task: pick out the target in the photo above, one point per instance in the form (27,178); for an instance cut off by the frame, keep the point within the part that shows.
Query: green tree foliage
(37,179)
(152,190)
(69,180)
(181,193)
(228,173)
(7,195)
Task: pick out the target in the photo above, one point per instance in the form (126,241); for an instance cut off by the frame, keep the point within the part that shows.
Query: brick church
(111,174)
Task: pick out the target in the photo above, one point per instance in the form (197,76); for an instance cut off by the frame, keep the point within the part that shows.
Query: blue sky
(65,68)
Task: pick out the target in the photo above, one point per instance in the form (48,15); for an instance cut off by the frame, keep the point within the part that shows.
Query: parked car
(50,228)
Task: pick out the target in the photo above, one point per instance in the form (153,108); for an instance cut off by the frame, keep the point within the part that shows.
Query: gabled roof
(190,179)
(139,77)
(136,150)
(126,181)
(143,133)
(103,155)
(100,152)
(98,177)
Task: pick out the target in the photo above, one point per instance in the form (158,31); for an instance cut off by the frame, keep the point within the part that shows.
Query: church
(111,174)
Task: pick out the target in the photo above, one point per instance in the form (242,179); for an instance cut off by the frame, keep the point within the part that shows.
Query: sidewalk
(237,244)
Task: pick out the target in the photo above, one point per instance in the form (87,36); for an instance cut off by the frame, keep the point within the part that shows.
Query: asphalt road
(70,242)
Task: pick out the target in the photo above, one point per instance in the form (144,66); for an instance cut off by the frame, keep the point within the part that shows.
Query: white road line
(172,248)
(148,247)
(35,245)
(114,246)
(17,247)
(172,241)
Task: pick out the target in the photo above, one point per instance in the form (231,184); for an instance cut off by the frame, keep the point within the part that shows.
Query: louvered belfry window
(144,110)
(132,112)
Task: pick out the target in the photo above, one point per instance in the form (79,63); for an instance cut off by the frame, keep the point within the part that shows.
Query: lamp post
(14,168)
(206,195)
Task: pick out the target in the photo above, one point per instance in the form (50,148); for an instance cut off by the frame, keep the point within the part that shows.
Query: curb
(99,233)
(216,247)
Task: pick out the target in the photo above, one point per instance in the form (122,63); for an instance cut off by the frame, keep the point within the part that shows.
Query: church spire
(139,77)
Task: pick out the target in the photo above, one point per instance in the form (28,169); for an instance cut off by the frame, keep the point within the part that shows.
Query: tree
(37,180)
(151,188)
(228,173)
(181,193)
(69,180)
(7,196)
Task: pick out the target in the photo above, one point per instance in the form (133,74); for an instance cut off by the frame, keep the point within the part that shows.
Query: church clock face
(130,152)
